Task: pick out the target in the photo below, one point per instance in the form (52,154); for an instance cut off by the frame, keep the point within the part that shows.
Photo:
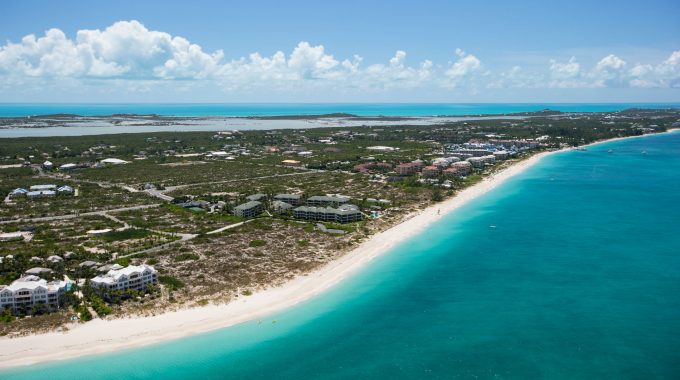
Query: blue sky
(295,51)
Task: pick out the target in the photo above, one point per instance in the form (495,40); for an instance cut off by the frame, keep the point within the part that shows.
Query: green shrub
(186,257)
(257,243)
(171,282)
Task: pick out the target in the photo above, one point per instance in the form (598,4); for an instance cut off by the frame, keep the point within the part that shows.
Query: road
(77,215)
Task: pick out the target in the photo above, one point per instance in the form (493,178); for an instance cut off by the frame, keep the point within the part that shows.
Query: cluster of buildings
(332,208)
(459,162)
(369,166)
(41,191)
(49,165)
(30,290)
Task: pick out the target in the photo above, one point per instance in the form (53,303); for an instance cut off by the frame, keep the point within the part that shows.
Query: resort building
(249,209)
(501,155)
(256,197)
(463,166)
(21,295)
(409,168)
(471,152)
(367,167)
(136,277)
(327,200)
(431,171)
(280,207)
(476,162)
(293,199)
(343,214)
(458,169)
(489,159)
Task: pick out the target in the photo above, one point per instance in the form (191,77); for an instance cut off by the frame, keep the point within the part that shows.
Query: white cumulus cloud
(127,55)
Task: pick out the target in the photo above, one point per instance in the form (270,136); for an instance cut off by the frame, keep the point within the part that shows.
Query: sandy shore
(99,336)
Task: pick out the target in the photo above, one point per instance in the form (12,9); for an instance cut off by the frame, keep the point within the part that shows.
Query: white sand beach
(100,336)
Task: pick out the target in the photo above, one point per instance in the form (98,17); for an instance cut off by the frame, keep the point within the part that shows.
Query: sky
(348,51)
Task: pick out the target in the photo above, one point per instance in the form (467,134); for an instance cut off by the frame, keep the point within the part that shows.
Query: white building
(113,161)
(135,277)
(68,167)
(22,294)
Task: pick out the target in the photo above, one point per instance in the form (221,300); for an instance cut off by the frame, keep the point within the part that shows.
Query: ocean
(579,279)
(278,109)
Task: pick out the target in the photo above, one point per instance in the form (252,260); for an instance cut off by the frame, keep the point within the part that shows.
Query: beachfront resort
(107,228)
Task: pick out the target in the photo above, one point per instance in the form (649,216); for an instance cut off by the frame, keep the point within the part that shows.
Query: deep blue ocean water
(580,279)
(276,109)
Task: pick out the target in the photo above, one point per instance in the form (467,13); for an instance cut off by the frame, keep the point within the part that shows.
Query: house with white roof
(68,167)
(136,277)
(18,192)
(21,295)
(66,189)
(43,187)
(113,161)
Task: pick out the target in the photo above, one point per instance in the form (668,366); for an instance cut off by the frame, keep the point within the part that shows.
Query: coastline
(101,336)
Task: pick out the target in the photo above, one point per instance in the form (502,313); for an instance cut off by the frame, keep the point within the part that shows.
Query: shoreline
(103,336)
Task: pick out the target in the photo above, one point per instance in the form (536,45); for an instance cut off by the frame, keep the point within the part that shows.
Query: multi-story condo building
(293,199)
(326,200)
(342,214)
(21,295)
(136,277)
(249,209)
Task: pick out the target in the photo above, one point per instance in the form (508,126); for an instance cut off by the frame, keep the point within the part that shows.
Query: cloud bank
(129,53)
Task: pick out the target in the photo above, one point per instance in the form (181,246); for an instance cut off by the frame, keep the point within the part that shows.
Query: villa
(136,277)
(21,295)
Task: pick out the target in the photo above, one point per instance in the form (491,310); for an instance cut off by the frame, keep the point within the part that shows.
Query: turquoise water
(275,109)
(580,279)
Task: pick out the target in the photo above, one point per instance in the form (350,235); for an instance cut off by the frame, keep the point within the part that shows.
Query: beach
(100,336)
